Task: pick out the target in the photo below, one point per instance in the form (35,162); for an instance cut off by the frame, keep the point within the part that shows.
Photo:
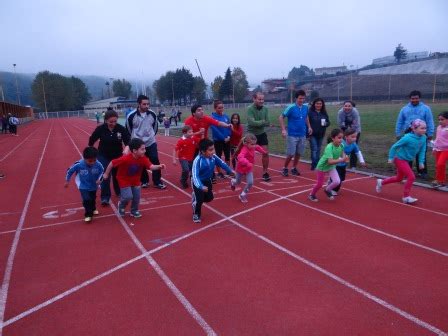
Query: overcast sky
(265,38)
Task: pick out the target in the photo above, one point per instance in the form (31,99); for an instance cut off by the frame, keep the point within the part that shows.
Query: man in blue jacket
(415,109)
(221,135)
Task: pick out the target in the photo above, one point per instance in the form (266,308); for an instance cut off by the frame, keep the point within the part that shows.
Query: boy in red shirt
(129,169)
(184,151)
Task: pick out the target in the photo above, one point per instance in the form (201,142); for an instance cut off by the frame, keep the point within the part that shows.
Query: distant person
(221,135)
(415,109)
(404,150)
(348,118)
(257,120)
(440,150)
(4,124)
(160,116)
(129,170)
(298,129)
(179,115)
(13,122)
(113,138)
(173,116)
(97,117)
(200,123)
(319,121)
(88,177)
(166,126)
(142,124)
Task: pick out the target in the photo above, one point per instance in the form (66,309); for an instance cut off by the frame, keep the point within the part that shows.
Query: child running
(333,154)
(129,169)
(202,171)
(184,151)
(350,147)
(88,177)
(440,150)
(235,136)
(245,153)
(403,151)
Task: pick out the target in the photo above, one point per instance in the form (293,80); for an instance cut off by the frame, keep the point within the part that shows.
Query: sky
(138,39)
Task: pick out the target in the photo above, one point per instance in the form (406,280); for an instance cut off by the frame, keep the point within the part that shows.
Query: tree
(400,53)
(176,87)
(121,88)
(314,94)
(240,84)
(216,86)
(226,89)
(199,88)
(80,92)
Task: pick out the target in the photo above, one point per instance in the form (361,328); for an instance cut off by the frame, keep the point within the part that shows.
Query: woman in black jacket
(112,137)
(319,121)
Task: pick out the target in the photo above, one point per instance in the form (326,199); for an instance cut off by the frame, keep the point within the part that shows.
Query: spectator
(348,118)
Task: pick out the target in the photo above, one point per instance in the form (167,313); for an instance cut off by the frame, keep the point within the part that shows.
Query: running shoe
(295,172)
(284,172)
(409,200)
(266,177)
(379,185)
(329,194)
(136,214)
(196,218)
(313,198)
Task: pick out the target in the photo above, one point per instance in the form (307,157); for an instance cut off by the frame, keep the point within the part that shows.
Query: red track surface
(363,264)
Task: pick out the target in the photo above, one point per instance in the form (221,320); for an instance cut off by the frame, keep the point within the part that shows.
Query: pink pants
(441,159)
(403,169)
(335,180)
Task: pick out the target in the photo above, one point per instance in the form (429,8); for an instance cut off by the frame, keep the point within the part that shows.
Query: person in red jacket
(184,151)
(235,136)
(200,123)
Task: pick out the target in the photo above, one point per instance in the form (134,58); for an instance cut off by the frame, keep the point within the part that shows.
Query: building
(273,85)
(409,57)
(330,70)
(119,104)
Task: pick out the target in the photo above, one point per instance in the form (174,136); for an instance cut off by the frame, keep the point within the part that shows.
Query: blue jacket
(220,133)
(409,113)
(348,149)
(86,176)
(203,169)
(296,120)
(408,147)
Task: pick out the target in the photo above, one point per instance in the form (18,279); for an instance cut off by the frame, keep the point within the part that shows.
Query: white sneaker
(334,193)
(379,185)
(409,200)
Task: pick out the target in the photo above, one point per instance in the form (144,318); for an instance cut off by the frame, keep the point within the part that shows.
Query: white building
(330,70)
(409,57)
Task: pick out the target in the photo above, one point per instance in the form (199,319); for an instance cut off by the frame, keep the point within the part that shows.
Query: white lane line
(15,243)
(172,287)
(20,143)
(126,263)
(329,274)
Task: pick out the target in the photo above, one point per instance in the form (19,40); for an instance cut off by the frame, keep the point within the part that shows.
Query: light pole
(108,89)
(17,85)
(45,98)
(111,82)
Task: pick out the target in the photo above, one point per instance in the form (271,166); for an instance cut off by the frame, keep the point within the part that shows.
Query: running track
(364,264)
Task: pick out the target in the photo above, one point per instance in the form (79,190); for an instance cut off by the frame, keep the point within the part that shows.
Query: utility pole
(338,89)
(390,80)
(351,85)
(434,89)
(45,98)
(17,85)
(200,73)
(172,89)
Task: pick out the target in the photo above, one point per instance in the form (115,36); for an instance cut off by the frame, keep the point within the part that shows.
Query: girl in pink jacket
(245,153)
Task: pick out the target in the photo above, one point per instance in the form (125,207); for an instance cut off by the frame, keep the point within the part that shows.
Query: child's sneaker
(145,185)
(266,177)
(329,194)
(87,219)
(121,211)
(409,200)
(379,185)
(232,184)
(295,172)
(243,198)
(334,193)
(313,198)
(136,214)
(196,218)
(436,184)
(284,172)
(96,212)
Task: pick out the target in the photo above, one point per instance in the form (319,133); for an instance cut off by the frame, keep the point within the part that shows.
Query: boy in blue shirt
(202,171)
(88,176)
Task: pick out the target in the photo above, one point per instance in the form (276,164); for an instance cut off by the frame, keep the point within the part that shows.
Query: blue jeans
(249,180)
(186,169)
(105,185)
(130,194)
(315,144)
(88,201)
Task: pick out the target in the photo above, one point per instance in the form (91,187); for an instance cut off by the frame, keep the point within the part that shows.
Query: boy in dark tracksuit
(202,171)
(88,176)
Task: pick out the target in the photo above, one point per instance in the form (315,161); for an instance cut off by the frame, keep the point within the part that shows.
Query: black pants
(202,196)
(153,155)
(341,172)
(353,157)
(13,129)
(88,201)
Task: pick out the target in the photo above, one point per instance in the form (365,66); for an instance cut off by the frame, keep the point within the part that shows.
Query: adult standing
(257,120)
(4,124)
(415,109)
(348,117)
(113,137)
(12,123)
(142,124)
(173,116)
(319,121)
(179,115)
(298,128)
(221,135)
(200,123)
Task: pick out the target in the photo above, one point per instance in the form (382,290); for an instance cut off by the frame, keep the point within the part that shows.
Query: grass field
(378,132)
